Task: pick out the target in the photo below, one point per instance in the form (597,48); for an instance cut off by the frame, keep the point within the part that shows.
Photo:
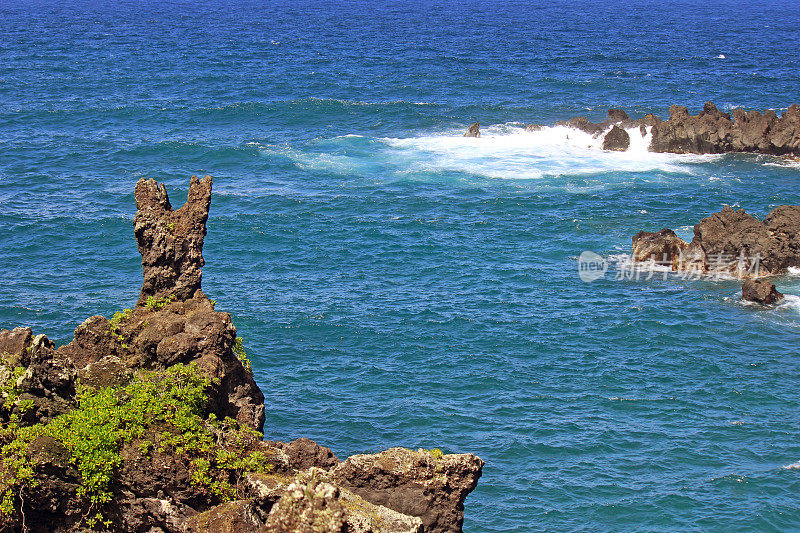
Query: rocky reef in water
(711,131)
(731,243)
(151,421)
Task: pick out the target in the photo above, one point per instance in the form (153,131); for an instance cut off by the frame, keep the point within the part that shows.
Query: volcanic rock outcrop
(473,131)
(617,139)
(709,132)
(151,420)
(731,242)
(760,291)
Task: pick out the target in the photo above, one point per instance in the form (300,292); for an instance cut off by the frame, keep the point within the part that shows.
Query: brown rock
(231,517)
(304,453)
(583,124)
(473,131)
(616,115)
(617,139)
(713,132)
(171,242)
(48,381)
(730,242)
(424,484)
(760,291)
(663,247)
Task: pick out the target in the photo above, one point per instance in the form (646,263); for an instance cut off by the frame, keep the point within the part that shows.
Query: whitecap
(721,56)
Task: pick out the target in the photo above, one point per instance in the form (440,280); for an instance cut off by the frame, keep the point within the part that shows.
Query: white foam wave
(503,151)
(794,271)
(510,151)
(790,303)
(793,466)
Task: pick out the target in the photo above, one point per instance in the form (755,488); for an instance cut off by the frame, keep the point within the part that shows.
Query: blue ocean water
(397,284)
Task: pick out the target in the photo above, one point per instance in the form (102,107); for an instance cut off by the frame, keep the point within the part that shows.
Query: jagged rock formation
(47,383)
(663,247)
(731,242)
(617,139)
(709,132)
(714,132)
(473,131)
(760,291)
(177,436)
(171,242)
(173,321)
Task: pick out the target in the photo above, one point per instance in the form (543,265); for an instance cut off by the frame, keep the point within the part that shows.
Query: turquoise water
(397,284)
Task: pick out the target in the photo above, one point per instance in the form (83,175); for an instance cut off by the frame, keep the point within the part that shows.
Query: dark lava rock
(304,453)
(713,132)
(173,321)
(760,291)
(616,115)
(473,131)
(415,483)
(617,139)
(583,124)
(171,242)
(732,242)
(663,247)
(47,380)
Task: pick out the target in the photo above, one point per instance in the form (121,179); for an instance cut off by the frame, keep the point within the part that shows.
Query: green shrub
(238,349)
(154,304)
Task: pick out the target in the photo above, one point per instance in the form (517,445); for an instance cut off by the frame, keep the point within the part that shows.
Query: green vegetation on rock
(238,349)
(157,412)
(154,304)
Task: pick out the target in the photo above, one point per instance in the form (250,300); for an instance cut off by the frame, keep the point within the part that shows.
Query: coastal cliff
(151,420)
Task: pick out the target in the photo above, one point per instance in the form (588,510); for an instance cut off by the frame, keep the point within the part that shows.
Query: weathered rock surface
(420,483)
(714,132)
(473,131)
(709,132)
(730,242)
(617,139)
(171,242)
(44,379)
(662,247)
(760,291)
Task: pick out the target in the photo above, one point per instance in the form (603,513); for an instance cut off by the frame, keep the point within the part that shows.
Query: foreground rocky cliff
(150,421)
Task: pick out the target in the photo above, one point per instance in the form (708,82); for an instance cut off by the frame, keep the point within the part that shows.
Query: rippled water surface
(398,284)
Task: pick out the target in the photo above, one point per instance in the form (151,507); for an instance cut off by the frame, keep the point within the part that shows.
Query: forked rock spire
(171,242)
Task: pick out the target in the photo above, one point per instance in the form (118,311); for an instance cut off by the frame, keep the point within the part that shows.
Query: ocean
(398,284)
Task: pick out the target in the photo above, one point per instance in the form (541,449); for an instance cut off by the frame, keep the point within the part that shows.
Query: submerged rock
(616,139)
(760,291)
(473,131)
